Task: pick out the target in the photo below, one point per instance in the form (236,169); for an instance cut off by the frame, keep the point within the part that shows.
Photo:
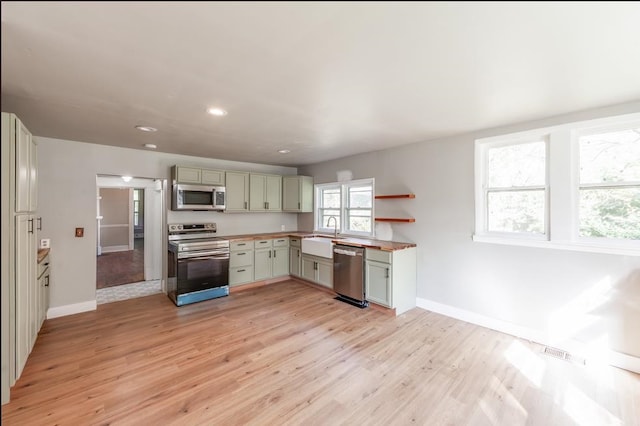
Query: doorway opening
(129,242)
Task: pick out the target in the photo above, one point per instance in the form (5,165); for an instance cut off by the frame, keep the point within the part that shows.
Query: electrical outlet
(282,227)
(45,243)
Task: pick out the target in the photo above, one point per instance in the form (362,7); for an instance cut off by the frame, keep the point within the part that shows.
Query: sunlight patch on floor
(516,413)
(584,411)
(526,361)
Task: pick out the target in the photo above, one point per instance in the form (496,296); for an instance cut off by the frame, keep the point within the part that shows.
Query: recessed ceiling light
(284,151)
(150,145)
(126,178)
(218,112)
(146,128)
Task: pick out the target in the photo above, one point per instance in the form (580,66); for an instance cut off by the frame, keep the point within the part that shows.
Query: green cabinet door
(237,187)
(273,193)
(308,268)
(378,282)
(280,261)
(262,264)
(294,261)
(324,273)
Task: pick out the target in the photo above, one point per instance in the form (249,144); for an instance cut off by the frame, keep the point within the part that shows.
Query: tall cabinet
(21,299)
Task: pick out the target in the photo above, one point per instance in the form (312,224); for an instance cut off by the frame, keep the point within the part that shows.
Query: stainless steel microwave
(198,197)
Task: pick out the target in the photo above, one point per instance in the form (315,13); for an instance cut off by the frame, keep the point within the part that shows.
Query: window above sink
(350,203)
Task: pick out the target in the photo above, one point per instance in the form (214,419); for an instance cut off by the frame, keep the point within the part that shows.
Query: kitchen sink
(318,246)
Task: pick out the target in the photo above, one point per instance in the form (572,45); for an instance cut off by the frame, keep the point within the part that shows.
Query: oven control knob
(172,227)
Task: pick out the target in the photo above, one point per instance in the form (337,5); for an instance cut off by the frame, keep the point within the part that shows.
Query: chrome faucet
(335,225)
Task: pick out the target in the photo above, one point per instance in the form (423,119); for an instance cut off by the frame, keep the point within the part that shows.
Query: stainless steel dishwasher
(348,275)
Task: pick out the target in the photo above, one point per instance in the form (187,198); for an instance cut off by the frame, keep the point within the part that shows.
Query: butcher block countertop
(42,253)
(348,241)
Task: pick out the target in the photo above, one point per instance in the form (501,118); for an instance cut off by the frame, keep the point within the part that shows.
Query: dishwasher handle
(352,253)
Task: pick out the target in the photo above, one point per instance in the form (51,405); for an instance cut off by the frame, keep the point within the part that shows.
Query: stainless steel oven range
(198,263)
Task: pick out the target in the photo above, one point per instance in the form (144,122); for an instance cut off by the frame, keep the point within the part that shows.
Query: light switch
(79,232)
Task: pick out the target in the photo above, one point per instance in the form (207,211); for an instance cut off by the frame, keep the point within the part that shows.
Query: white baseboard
(112,249)
(617,359)
(76,308)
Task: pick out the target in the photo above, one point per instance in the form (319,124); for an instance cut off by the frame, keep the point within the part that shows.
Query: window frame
(343,187)
(577,133)
(483,223)
(563,182)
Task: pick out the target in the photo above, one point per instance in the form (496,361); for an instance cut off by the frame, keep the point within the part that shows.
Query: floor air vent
(560,354)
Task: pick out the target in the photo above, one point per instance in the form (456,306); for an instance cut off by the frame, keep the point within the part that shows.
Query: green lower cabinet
(271,258)
(317,269)
(308,268)
(240,275)
(295,260)
(378,283)
(325,273)
(390,278)
(262,264)
(280,266)
(241,263)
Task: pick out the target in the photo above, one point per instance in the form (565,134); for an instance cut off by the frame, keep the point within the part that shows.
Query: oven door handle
(204,255)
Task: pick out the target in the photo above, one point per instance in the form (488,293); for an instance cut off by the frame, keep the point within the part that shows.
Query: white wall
(552,291)
(67,200)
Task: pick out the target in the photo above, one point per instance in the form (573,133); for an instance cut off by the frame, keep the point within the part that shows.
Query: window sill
(573,246)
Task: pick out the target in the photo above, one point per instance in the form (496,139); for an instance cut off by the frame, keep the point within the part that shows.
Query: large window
(609,205)
(515,188)
(573,186)
(350,203)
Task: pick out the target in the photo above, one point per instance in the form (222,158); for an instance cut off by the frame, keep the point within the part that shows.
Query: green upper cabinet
(265,192)
(213,177)
(24,150)
(237,194)
(198,176)
(297,194)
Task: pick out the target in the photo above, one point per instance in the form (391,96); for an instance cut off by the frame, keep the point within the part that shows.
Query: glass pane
(360,224)
(359,212)
(517,165)
(610,157)
(516,211)
(136,195)
(331,198)
(326,223)
(360,196)
(610,213)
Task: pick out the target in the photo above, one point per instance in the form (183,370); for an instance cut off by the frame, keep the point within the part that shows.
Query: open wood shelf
(383,197)
(395,219)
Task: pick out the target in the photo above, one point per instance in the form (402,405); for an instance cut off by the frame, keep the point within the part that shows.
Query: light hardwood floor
(287,353)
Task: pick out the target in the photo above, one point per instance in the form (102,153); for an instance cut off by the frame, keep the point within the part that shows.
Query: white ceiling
(324,80)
